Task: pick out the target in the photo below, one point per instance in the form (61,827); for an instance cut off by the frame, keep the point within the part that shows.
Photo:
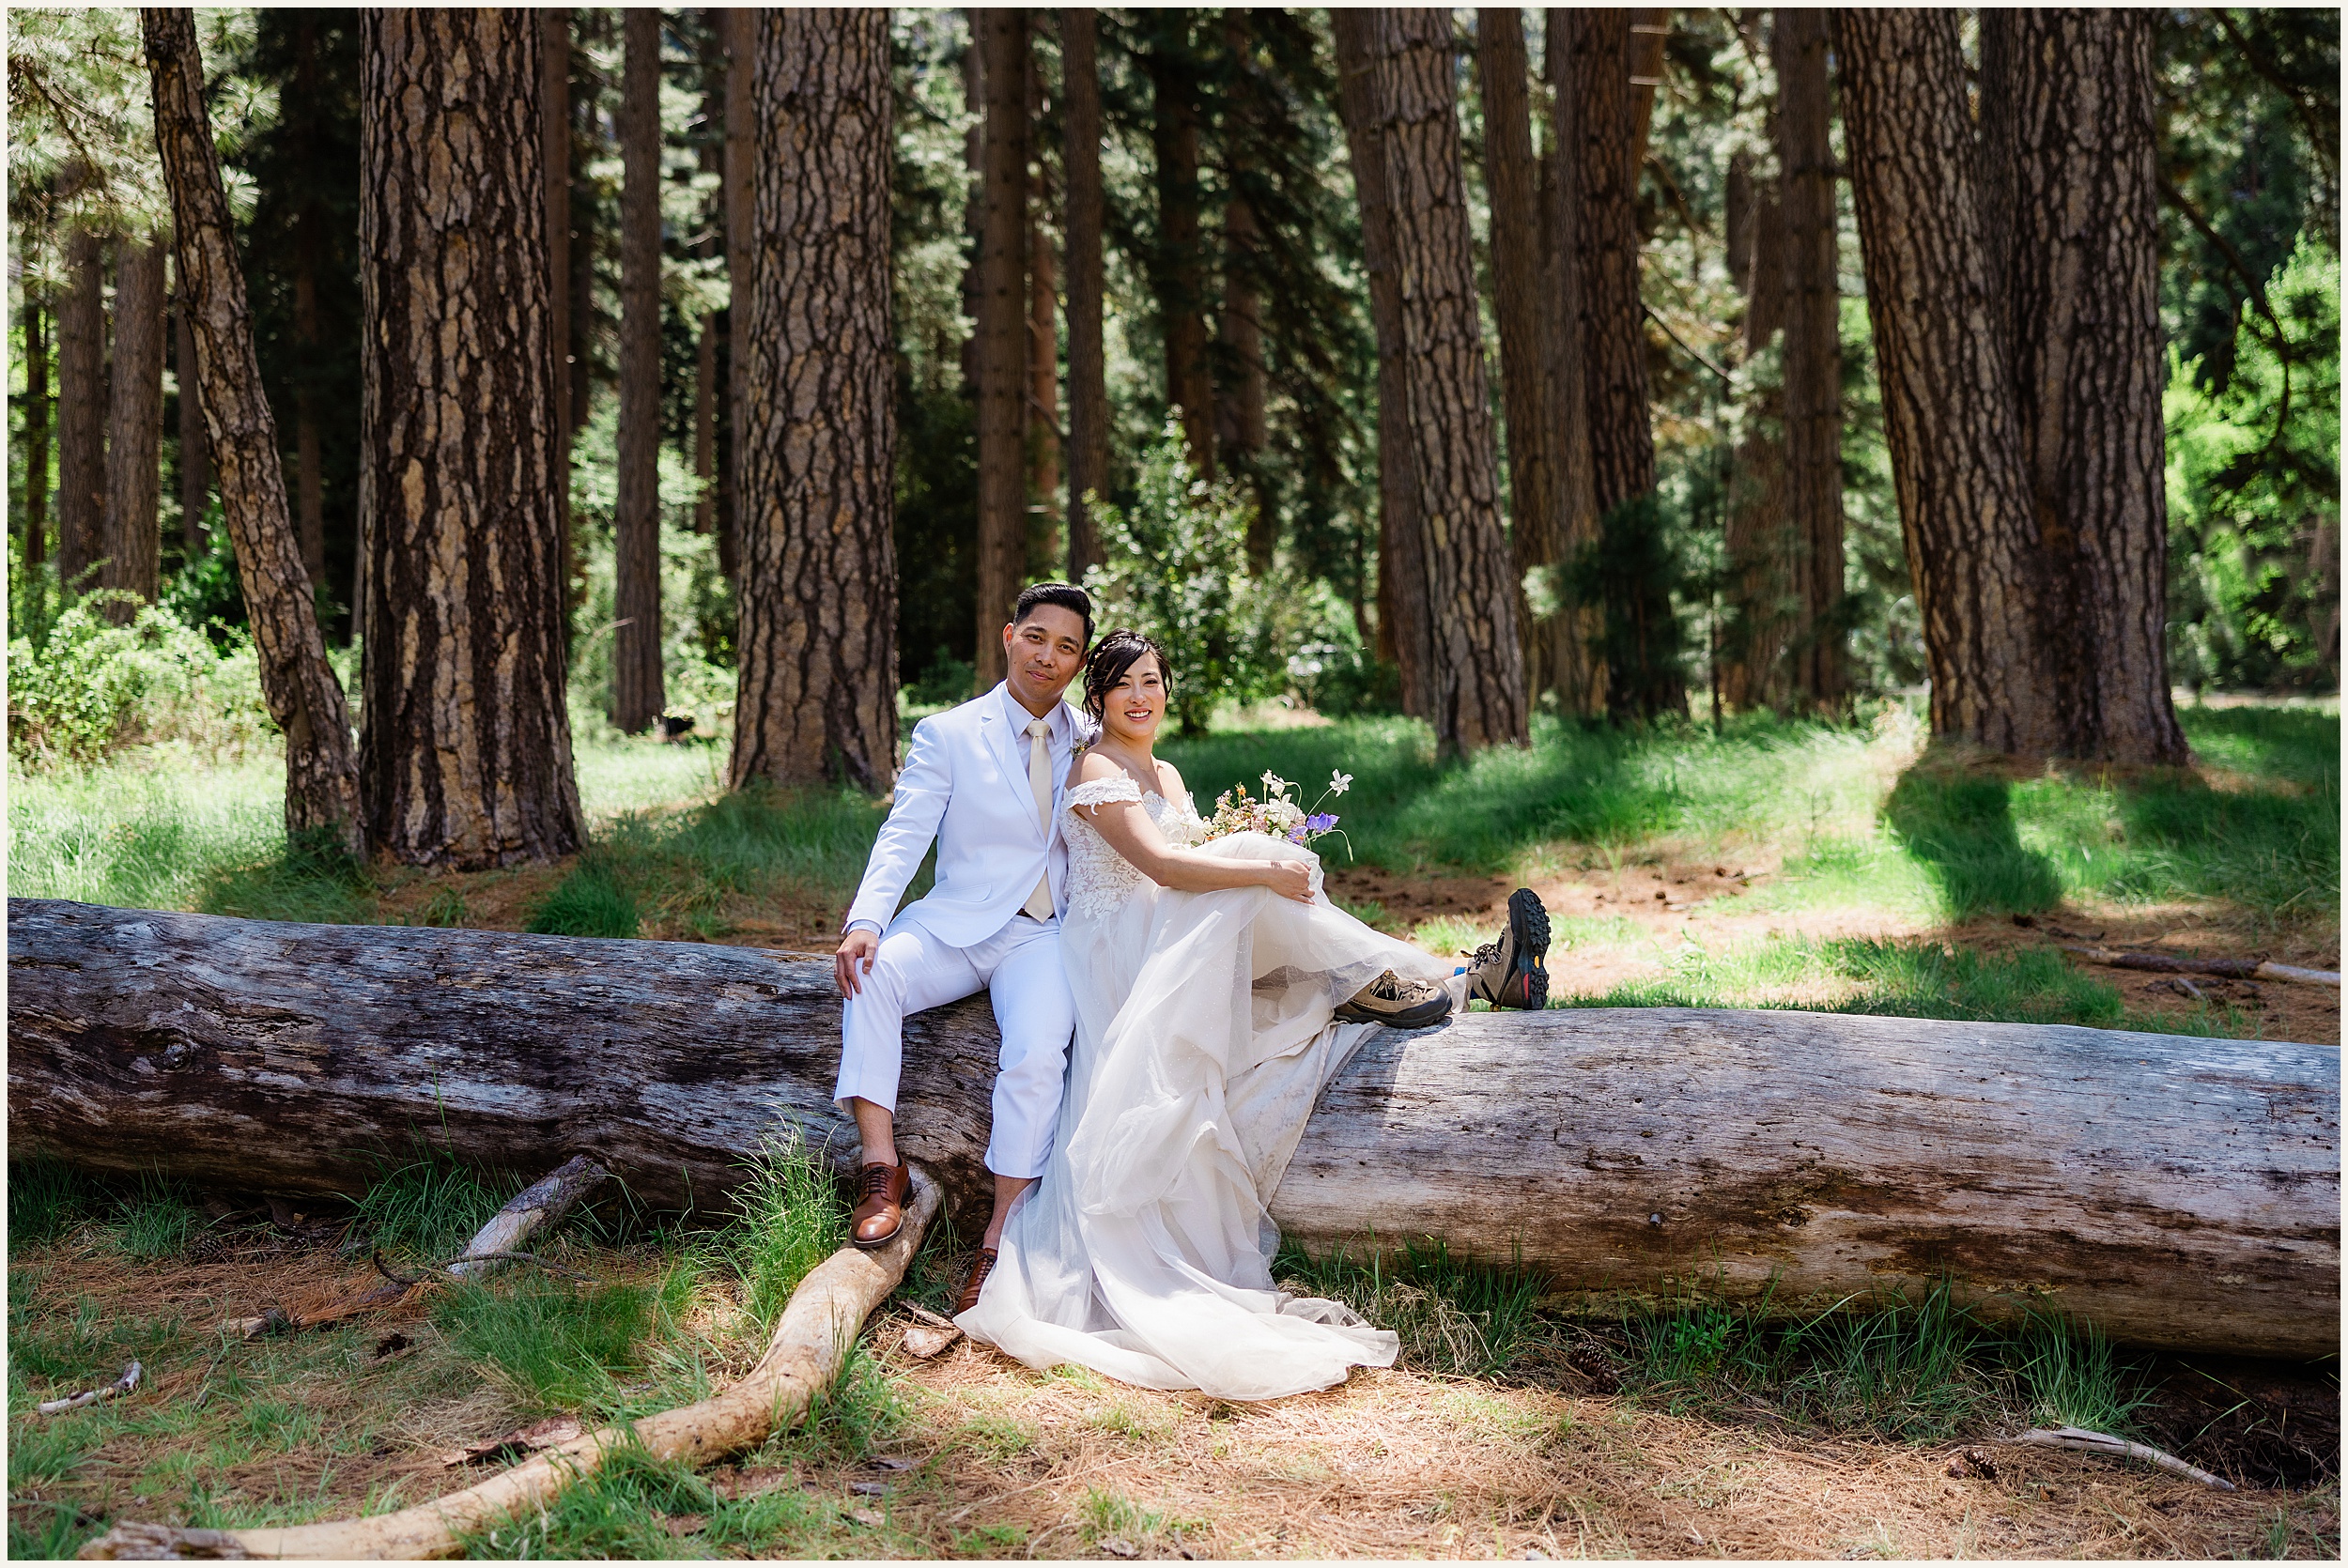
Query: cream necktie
(1039,903)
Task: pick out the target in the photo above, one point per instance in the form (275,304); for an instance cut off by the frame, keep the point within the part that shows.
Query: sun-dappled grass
(429,1207)
(1451,1317)
(787,1217)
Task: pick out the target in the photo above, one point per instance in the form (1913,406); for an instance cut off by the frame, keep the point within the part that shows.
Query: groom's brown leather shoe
(976,1283)
(880,1206)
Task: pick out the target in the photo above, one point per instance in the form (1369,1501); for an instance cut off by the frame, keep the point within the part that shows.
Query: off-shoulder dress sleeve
(1104,792)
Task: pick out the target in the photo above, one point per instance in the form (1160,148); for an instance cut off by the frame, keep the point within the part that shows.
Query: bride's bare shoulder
(1091,767)
(1170,783)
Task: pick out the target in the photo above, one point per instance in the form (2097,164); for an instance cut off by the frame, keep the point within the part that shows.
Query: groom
(985,780)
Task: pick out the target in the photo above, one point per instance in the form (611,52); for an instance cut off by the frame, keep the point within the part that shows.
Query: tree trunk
(705,422)
(1761,546)
(1525,315)
(1241,427)
(637,693)
(817,605)
(741,24)
(1812,358)
(1948,408)
(466,756)
(1042,349)
(310,481)
(2072,201)
(304,698)
(554,130)
(1088,376)
(81,409)
(1001,341)
(131,534)
(1571,662)
(1477,665)
(2177,1192)
(196,467)
(1614,327)
(1404,625)
(36,434)
(1181,260)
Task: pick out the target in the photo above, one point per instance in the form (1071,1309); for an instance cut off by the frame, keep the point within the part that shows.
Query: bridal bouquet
(1277,814)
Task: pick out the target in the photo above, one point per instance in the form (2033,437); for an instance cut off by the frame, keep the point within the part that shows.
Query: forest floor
(1829,868)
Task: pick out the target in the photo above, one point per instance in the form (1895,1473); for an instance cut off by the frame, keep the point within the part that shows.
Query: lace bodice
(1100,880)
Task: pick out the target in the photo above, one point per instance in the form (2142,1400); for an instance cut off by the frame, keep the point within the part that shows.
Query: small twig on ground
(122,1385)
(2117,1447)
(2232,969)
(516,1257)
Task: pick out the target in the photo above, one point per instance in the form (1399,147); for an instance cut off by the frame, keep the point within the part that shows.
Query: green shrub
(591,901)
(90,686)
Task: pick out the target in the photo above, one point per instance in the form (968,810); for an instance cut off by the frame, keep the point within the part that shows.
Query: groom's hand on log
(855,960)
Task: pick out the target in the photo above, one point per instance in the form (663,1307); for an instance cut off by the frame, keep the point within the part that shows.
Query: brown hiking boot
(881,1191)
(1397,1002)
(980,1269)
(1511,973)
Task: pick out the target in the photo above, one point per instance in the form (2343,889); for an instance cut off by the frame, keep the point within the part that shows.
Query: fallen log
(809,1350)
(2176,1192)
(2230,969)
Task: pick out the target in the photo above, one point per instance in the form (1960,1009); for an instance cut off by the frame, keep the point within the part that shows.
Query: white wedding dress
(1203,1038)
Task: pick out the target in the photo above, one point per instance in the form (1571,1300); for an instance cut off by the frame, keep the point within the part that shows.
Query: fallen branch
(539,1206)
(2230,969)
(122,1385)
(807,1352)
(2117,1447)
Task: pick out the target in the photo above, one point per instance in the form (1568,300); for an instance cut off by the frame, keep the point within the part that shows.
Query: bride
(1210,981)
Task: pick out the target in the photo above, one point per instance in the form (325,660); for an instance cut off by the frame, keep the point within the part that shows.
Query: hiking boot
(881,1191)
(981,1267)
(1509,973)
(1397,1002)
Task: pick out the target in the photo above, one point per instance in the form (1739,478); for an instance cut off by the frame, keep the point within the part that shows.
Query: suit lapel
(1009,748)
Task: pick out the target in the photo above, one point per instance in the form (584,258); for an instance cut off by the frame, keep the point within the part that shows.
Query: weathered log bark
(466,751)
(817,437)
(304,696)
(1000,344)
(129,536)
(1403,626)
(638,692)
(81,408)
(1475,687)
(2176,1192)
(1087,375)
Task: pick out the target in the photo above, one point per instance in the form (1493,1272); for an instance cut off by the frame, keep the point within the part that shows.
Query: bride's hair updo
(1115,654)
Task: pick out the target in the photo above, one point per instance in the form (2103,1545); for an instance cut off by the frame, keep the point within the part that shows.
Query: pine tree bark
(1812,358)
(637,693)
(1404,622)
(554,130)
(1088,376)
(1761,547)
(132,538)
(36,433)
(1525,315)
(1181,260)
(2071,206)
(310,479)
(1241,426)
(817,441)
(1613,327)
(1477,666)
(304,698)
(196,467)
(466,754)
(1042,348)
(741,30)
(81,409)
(1001,345)
(1571,662)
(1948,407)
(705,422)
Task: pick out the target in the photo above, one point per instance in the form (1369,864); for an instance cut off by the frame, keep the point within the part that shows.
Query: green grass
(552,1344)
(788,1218)
(427,1209)
(591,901)
(1451,1317)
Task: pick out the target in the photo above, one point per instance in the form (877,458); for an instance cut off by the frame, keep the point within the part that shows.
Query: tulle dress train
(1203,1036)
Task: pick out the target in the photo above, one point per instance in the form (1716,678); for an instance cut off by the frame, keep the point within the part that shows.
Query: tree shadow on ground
(1953,812)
